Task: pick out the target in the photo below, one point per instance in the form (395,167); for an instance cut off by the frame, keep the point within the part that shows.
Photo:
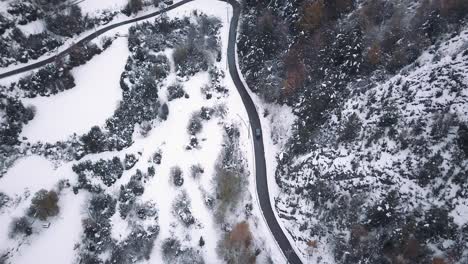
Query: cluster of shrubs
(177,177)
(15,115)
(108,171)
(68,22)
(49,80)
(158,35)
(195,124)
(199,47)
(63,19)
(388,234)
(97,239)
(24,12)
(44,205)
(129,193)
(174,252)
(196,44)
(175,91)
(16,46)
(97,228)
(237,245)
(136,247)
(4,199)
(56,77)
(5,24)
(182,209)
(230,176)
(140,103)
(130,161)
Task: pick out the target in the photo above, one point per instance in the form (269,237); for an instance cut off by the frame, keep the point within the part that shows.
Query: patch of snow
(34,27)
(20,177)
(93,6)
(56,243)
(90,103)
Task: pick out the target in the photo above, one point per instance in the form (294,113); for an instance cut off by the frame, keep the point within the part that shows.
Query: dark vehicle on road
(258,133)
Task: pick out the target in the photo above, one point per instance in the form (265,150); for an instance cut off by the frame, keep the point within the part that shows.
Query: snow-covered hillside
(145,157)
(393,157)
(373,168)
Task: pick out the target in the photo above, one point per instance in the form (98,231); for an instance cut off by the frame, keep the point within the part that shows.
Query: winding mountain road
(260,164)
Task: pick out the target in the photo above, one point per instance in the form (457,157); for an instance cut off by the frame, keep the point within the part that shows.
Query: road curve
(260,164)
(89,38)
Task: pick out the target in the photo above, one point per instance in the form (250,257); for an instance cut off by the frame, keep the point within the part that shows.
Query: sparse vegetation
(237,246)
(20,226)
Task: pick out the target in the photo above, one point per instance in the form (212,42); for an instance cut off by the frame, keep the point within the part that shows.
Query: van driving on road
(258,133)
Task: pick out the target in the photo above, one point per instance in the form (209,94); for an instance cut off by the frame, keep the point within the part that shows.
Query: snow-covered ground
(93,6)
(88,6)
(91,102)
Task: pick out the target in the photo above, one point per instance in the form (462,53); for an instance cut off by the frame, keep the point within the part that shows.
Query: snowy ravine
(157,148)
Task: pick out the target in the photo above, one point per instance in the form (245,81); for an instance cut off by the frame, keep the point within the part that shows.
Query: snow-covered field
(90,103)
(93,100)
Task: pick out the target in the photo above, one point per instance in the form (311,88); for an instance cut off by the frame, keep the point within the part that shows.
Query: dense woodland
(376,164)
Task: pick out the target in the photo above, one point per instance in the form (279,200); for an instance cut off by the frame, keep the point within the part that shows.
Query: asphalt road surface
(260,164)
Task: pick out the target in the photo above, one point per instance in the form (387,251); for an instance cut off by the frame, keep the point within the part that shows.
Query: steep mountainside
(376,168)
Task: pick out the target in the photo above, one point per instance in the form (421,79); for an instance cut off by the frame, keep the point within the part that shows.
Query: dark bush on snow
(195,125)
(129,192)
(136,247)
(189,60)
(206,113)
(20,226)
(94,141)
(182,210)
(28,47)
(66,23)
(146,210)
(151,171)
(130,161)
(25,12)
(51,79)
(15,116)
(196,170)
(164,111)
(175,91)
(177,176)
(463,138)
(107,170)
(4,199)
(81,54)
(351,128)
(174,253)
(4,24)
(140,102)
(90,258)
(97,234)
(102,206)
(157,156)
(44,204)
(132,7)
(171,248)
(133,188)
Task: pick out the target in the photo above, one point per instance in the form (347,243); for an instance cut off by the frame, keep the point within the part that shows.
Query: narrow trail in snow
(260,163)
